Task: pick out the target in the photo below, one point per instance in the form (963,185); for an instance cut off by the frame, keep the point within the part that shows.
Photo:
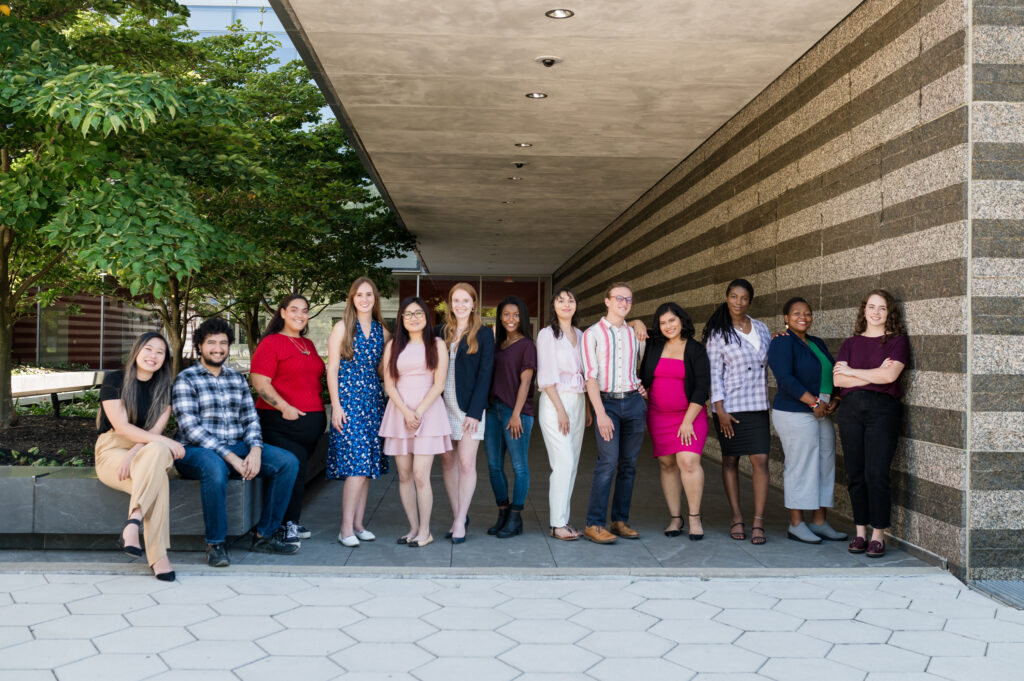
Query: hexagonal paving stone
(543,631)
(385,629)
(612,619)
(213,655)
(112,667)
(234,628)
(617,669)
(974,668)
(549,657)
(467,598)
(736,676)
(266,586)
(382,657)
(783,644)
(543,588)
(993,631)
(194,675)
(954,608)
(792,589)
(111,604)
(452,668)
(839,631)
(737,599)
(466,644)
(759,620)
(170,615)
(143,640)
(12,635)
(633,644)
(26,675)
(317,642)
(193,593)
(401,587)
(314,617)
(711,657)
(816,609)
(868,598)
(538,608)
(80,626)
(678,609)
(873,657)
(694,631)
(674,589)
(54,593)
(134,584)
(396,606)
(901,620)
(790,669)
(31,613)
(254,605)
(5,599)
(45,654)
(276,668)
(486,619)
(603,598)
(322,595)
(937,644)
(946,586)
(10,582)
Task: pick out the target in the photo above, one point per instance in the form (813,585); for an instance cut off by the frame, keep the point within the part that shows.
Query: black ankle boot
(503,512)
(513,527)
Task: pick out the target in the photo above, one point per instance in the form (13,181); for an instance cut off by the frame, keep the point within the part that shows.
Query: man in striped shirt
(610,354)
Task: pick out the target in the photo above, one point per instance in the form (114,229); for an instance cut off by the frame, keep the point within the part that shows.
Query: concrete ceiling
(433,93)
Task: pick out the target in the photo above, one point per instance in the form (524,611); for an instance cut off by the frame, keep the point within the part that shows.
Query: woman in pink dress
(677,375)
(415,426)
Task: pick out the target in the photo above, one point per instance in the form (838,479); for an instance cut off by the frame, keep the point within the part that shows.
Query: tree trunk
(8,417)
(251,319)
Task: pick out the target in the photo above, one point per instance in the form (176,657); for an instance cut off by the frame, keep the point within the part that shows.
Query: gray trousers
(809,448)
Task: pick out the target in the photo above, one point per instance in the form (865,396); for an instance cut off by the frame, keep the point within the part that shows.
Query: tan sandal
(573,534)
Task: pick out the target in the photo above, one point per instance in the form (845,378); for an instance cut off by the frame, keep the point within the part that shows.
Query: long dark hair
(687,330)
(400,339)
(720,321)
(893,316)
(160,384)
(556,327)
(500,335)
(277,321)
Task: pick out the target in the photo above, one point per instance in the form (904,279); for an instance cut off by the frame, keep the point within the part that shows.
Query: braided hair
(720,321)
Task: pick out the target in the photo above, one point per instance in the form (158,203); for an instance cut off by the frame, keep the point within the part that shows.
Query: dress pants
(809,450)
(616,459)
(147,486)
(563,450)
(299,437)
(869,426)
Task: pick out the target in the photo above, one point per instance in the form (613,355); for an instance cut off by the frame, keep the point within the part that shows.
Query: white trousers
(563,450)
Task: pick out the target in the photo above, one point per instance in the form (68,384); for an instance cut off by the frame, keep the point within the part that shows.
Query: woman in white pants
(563,415)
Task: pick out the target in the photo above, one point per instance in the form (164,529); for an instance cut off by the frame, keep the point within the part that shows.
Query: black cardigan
(696,384)
(473,372)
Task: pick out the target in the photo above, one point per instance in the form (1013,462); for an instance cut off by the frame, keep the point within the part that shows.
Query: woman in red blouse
(286,372)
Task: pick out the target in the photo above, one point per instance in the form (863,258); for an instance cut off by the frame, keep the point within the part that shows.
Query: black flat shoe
(696,537)
(133,551)
(674,533)
(165,576)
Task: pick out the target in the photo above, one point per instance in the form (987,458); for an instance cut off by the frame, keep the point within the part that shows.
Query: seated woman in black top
(132,454)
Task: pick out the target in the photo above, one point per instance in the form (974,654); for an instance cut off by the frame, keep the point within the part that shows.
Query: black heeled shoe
(164,576)
(448,534)
(697,537)
(133,551)
(674,533)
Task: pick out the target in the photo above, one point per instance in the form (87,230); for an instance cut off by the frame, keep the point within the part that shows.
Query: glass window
(210,18)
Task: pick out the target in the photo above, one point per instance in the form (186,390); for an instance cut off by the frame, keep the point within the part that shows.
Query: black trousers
(299,437)
(869,427)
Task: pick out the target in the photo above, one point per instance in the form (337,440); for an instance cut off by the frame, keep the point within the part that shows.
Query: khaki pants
(147,486)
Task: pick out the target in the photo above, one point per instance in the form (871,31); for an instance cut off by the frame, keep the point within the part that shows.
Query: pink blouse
(559,363)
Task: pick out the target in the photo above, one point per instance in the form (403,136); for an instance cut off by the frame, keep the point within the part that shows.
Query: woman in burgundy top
(286,372)
(868,369)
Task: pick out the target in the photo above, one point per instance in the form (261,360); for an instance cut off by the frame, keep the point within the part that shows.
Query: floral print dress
(356,450)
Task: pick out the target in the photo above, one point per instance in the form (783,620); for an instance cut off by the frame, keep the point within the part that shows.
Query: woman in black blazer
(470,364)
(676,373)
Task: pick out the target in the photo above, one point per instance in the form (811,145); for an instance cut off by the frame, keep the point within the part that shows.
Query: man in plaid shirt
(218,425)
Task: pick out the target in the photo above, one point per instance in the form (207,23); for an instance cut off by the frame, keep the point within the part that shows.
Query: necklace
(298,346)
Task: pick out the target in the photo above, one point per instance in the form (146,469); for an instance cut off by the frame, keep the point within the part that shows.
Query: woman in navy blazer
(802,366)
(471,361)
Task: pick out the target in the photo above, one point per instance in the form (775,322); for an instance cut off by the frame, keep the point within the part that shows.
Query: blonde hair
(451,325)
(351,317)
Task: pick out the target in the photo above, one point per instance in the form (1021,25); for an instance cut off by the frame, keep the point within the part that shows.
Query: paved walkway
(250,626)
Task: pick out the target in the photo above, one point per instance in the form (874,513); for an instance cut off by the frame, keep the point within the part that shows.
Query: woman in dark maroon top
(868,370)
(515,361)
(286,372)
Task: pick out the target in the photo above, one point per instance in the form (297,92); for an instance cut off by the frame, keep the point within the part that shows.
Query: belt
(618,396)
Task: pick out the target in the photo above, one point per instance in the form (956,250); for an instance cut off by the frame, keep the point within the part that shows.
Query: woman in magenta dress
(677,375)
(415,426)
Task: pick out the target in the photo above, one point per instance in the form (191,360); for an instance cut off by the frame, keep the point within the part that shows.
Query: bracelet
(816,404)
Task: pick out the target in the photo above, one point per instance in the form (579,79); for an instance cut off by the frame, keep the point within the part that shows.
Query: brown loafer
(599,535)
(623,530)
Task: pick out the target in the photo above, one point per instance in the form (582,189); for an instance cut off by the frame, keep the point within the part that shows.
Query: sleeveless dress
(357,450)
(414,381)
(666,408)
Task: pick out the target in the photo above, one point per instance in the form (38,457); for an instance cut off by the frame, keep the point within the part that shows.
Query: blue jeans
(617,458)
(278,466)
(496,440)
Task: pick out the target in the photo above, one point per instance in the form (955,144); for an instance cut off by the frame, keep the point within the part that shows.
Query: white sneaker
(366,535)
(299,531)
(350,542)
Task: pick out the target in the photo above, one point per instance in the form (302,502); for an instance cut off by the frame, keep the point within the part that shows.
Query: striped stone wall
(849,172)
(996,468)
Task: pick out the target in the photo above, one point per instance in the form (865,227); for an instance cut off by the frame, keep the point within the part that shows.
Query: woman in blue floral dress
(357,405)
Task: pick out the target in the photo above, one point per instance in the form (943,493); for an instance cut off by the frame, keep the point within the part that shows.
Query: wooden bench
(34,385)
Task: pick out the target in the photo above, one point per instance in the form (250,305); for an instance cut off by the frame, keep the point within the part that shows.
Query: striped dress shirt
(610,355)
(738,375)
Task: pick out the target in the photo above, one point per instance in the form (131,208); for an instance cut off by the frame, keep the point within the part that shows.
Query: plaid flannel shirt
(214,412)
(738,375)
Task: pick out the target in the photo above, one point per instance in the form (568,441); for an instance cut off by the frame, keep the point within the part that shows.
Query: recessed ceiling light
(506,202)
(523,144)
(514,179)
(559,13)
(536,95)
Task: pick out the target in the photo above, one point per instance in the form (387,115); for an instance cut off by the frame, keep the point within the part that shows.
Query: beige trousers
(147,486)
(563,450)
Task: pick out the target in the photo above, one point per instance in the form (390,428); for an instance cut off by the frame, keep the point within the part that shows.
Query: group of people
(422,391)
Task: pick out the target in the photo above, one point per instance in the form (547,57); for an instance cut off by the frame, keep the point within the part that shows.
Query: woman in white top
(563,415)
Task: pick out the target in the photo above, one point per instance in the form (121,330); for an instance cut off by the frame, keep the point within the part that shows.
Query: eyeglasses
(623,299)
(418,314)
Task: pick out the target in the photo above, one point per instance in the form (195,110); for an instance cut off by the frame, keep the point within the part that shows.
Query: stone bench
(64,507)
